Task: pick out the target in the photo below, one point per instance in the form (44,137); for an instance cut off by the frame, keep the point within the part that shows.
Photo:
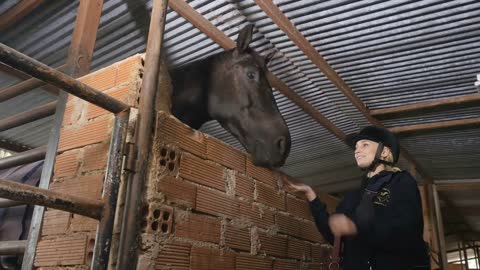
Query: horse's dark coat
(231,87)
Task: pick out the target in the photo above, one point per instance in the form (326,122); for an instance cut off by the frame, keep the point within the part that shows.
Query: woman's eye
(251,75)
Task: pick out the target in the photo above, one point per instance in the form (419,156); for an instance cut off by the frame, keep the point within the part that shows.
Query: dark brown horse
(231,87)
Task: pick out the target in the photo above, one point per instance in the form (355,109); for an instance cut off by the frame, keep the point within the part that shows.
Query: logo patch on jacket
(383,197)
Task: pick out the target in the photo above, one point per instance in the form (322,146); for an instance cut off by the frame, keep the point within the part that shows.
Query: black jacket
(389,224)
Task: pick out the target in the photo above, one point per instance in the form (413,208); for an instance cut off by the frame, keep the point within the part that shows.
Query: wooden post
(439,229)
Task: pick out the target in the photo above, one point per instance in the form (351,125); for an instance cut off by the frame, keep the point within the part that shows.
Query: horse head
(241,100)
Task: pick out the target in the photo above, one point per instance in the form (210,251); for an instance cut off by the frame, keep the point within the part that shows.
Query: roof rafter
(17,12)
(428,106)
(13,146)
(428,127)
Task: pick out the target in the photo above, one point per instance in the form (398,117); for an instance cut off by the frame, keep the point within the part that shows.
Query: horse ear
(244,38)
(269,57)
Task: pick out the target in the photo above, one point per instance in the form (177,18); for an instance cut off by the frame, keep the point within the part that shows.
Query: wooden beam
(204,25)
(17,12)
(304,45)
(428,106)
(13,72)
(84,37)
(13,146)
(27,84)
(439,229)
(429,127)
(471,210)
(461,186)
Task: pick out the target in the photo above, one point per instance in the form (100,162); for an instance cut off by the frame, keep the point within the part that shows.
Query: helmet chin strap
(377,161)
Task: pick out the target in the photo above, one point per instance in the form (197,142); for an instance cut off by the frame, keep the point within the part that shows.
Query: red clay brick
(226,155)
(83,186)
(281,264)
(315,266)
(159,219)
(210,259)
(310,232)
(68,114)
(102,79)
(202,172)
(250,262)
(198,227)
(174,255)
(120,94)
(216,203)
(55,222)
(288,225)
(244,186)
(262,217)
(273,245)
(269,196)
(171,130)
(67,164)
(64,250)
(83,224)
(261,174)
(237,238)
(177,191)
(126,67)
(319,253)
(95,157)
(92,132)
(299,208)
(298,249)
(298,195)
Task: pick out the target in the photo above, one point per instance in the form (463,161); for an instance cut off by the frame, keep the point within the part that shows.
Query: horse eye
(251,75)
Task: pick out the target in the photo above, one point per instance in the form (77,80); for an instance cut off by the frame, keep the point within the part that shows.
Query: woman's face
(365,151)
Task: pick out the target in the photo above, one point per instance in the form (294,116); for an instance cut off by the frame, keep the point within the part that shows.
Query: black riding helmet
(381,136)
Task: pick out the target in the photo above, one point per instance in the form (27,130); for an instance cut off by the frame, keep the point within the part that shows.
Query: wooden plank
(13,146)
(204,25)
(13,72)
(412,129)
(18,12)
(84,37)
(428,106)
(461,186)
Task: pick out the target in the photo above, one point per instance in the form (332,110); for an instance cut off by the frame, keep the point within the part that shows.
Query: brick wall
(208,206)
(219,211)
(68,239)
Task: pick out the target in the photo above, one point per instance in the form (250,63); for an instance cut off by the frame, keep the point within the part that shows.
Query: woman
(381,223)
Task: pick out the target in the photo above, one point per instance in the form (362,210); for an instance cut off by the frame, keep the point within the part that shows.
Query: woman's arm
(317,208)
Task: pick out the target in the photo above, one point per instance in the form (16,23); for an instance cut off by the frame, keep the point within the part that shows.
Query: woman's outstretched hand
(299,187)
(341,225)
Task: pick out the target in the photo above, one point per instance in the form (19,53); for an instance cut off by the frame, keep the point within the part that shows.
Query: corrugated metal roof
(391,53)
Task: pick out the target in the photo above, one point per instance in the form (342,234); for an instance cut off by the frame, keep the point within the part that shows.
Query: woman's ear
(385,152)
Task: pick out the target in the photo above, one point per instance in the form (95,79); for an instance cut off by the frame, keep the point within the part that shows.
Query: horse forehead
(249,59)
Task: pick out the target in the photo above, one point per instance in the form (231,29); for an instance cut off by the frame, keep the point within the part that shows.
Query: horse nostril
(280,143)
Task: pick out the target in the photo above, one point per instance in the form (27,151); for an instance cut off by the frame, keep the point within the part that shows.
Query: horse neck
(190,92)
